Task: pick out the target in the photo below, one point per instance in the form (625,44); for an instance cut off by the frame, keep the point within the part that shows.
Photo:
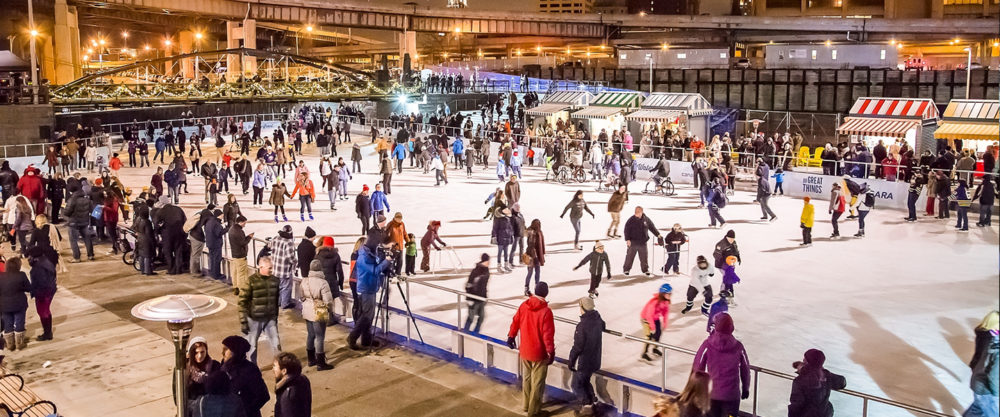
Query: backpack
(720,198)
(870,199)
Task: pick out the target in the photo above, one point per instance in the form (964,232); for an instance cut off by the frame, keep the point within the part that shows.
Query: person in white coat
(316,302)
(700,273)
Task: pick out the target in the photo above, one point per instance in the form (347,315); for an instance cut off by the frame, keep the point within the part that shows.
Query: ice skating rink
(894,312)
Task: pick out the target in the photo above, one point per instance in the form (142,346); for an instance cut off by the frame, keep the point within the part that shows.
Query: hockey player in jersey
(700,274)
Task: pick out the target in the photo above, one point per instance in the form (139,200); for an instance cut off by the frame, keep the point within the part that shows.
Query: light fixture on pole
(34,67)
(34,57)
(179,311)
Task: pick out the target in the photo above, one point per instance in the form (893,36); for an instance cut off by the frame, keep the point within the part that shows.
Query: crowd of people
(308,276)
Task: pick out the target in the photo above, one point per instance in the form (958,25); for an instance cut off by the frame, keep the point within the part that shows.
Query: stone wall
(25,124)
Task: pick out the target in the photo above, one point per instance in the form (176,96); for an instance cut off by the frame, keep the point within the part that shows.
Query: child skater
(598,264)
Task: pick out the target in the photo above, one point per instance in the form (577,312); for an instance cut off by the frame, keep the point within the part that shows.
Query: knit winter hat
(542,289)
(310,233)
(315,265)
(196,339)
(328,241)
(587,303)
(724,323)
(484,257)
(365,188)
(216,212)
(731,234)
(815,357)
(238,345)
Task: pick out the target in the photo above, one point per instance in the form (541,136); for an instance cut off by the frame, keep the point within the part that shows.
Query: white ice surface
(893,312)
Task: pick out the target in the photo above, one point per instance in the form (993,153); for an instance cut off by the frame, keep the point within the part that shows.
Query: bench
(17,400)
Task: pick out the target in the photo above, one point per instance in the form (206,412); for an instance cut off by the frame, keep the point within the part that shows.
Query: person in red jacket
(431,238)
(534,322)
(30,186)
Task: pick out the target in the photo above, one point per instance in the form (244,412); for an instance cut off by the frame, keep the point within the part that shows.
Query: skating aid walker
(453,258)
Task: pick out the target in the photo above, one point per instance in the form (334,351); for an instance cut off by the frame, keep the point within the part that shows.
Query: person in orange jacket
(534,322)
(396,235)
(307,193)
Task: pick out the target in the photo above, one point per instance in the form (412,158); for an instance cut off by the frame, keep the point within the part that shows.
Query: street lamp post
(968,71)
(179,311)
(34,57)
(649,57)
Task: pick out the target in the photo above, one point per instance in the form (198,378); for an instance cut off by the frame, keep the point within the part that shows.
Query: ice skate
(275,219)
(284,217)
(686,309)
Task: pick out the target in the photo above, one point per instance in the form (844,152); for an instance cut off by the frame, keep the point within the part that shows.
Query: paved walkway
(104,362)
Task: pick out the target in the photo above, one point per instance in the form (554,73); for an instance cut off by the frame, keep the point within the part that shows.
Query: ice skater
(700,274)
(576,207)
(599,263)
(673,241)
(729,279)
(654,318)
(806,221)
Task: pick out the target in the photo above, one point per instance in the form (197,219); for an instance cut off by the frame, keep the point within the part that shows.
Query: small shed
(976,123)
(689,112)
(913,120)
(607,110)
(557,105)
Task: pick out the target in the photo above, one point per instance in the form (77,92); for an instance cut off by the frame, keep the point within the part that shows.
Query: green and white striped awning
(693,103)
(573,98)
(619,99)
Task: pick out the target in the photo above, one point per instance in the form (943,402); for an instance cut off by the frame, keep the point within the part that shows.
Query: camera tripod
(382,306)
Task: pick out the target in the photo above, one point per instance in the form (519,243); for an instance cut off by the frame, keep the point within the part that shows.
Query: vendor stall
(607,111)
(556,106)
(872,119)
(676,112)
(976,123)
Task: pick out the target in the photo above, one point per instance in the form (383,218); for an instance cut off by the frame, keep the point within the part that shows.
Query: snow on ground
(894,312)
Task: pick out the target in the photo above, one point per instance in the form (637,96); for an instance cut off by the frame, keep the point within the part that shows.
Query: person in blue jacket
(458,149)
(368,270)
(379,202)
(399,154)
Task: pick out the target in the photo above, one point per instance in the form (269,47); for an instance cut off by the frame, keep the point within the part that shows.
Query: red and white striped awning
(895,107)
(871,126)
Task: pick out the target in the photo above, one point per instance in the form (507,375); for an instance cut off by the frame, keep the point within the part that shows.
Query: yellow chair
(803,158)
(817,159)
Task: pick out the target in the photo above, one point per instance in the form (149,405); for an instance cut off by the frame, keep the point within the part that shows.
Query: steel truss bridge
(279,77)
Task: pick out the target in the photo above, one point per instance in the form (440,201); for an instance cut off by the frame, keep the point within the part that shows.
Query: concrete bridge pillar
(66,37)
(249,42)
(408,44)
(233,35)
(247,32)
(186,43)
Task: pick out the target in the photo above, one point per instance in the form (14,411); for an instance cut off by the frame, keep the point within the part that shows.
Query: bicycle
(663,187)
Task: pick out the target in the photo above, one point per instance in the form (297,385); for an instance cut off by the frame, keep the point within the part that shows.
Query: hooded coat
(431,237)
(725,359)
(810,395)
(586,351)
(534,322)
(333,268)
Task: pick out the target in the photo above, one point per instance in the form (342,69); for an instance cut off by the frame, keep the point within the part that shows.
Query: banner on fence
(887,193)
